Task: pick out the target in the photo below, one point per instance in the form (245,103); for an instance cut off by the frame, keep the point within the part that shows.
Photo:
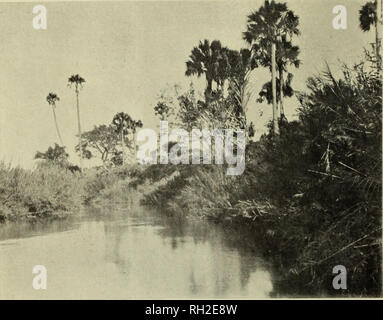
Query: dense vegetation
(49,191)
(312,193)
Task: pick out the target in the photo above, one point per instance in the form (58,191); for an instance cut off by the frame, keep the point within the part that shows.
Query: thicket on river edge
(52,191)
(312,194)
(48,191)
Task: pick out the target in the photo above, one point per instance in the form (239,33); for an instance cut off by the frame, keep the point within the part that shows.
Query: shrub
(44,192)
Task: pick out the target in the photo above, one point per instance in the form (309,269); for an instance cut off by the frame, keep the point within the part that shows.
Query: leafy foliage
(367,15)
(312,195)
(49,191)
(54,155)
(101,141)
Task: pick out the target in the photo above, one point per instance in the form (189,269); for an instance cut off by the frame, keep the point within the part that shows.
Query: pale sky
(127,52)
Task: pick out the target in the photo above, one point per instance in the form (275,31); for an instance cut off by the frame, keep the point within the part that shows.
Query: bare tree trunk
(281,108)
(123,147)
(243,107)
(79,126)
(208,90)
(57,127)
(378,25)
(135,146)
(274,89)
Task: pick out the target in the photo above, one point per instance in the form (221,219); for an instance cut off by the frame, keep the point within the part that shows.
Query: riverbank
(46,192)
(51,191)
(312,194)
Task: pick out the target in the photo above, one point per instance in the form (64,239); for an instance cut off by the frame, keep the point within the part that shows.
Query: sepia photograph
(191,150)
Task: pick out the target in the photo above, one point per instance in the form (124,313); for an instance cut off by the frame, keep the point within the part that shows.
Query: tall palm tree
(371,14)
(287,91)
(52,98)
(241,64)
(77,81)
(122,122)
(265,28)
(208,59)
(286,54)
(134,126)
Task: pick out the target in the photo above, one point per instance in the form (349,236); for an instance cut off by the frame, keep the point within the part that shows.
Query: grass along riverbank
(312,194)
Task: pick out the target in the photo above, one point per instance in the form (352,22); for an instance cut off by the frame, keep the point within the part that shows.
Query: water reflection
(138,255)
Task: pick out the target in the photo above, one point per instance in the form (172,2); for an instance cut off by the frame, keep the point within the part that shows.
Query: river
(137,254)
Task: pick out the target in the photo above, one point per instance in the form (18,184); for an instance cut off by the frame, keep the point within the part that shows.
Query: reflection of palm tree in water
(113,236)
(114,232)
(130,203)
(238,240)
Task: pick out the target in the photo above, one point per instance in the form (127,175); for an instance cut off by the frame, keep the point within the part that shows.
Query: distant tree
(54,155)
(52,98)
(123,125)
(167,107)
(265,29)
(211,60)
(121,122)
(77,81)
(162,110)
(371,14)
(286,55)
(241,64)
(190,109)
(99,142)
(134,125)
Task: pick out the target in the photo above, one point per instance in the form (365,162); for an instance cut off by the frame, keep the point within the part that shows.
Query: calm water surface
(134,255)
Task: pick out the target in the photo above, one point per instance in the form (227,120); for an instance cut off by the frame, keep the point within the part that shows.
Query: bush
(109,187)
(44,192)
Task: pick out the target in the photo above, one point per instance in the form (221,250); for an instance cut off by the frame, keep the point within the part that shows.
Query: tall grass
(48,191)
(112,187)
(312,195)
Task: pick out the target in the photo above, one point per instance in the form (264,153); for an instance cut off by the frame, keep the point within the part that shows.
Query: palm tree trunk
(281,108)
(243,109)
(245,126)
(378,24)
(79,126)
(123,147)
(57,127)
(274,89)
(135,145)
(208,90)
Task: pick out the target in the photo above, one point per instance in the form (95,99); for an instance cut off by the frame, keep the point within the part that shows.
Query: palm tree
(371,14)
(265,28)
(209,59)
(77,81)
(122,122)
(241,64)
(286,54)
(284,89)
(134,126)
(52,98)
